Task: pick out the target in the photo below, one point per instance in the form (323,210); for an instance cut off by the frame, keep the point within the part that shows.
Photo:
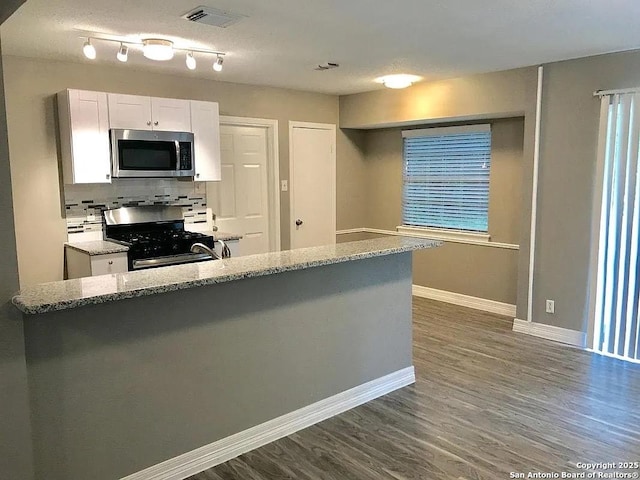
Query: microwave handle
(178,163)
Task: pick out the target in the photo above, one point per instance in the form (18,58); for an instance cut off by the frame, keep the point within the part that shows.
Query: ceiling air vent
(213,17)
(327,66)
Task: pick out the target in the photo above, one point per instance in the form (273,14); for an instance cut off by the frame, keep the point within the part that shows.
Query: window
(446,178)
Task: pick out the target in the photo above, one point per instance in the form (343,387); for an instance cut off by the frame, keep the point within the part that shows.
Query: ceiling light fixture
(157,49)
(398,81)
(89,50)
(123,53)
(217,66)
(191,61)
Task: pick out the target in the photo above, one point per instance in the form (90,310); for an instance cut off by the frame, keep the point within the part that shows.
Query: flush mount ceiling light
(398,81)
(157,49)
(217,66)
(191,61)
(123,53)
(89,50)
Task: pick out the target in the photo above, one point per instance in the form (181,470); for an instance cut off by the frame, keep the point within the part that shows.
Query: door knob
(299,222)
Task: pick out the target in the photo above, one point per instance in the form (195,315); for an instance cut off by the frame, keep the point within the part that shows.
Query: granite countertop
(50,297)
(98,247)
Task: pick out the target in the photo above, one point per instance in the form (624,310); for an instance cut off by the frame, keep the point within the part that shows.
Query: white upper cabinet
(205,125)
(131,112)
(86,117)
(136,112)
(170,114)
(84,136)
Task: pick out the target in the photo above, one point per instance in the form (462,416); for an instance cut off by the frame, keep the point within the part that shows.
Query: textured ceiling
(281,42)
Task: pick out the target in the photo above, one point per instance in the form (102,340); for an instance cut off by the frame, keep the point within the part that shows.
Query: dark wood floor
(486,402)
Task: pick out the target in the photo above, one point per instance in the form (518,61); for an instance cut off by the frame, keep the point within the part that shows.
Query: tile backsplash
(84,203)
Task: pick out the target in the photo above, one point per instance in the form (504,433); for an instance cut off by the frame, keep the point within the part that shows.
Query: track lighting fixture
(123,53)
(191,61)
(217,66)
(89,50)
(156,49)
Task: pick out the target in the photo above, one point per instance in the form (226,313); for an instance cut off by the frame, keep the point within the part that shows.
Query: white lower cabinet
(81,264)
(106,264)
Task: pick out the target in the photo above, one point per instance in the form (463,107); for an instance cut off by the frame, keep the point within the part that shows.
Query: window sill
(441,234)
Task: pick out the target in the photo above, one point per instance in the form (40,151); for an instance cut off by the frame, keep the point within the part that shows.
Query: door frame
(315,126)
(273,170)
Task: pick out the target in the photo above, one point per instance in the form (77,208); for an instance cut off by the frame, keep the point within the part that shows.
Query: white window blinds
(446,177)
(617,299)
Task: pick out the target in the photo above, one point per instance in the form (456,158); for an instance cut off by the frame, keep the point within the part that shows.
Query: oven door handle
(172,260)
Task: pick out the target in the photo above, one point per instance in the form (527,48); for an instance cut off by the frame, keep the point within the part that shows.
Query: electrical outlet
(551,306)
(284,185)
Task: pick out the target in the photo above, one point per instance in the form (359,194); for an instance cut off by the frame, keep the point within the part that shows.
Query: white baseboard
(550,332)
(196,461)
(465,300)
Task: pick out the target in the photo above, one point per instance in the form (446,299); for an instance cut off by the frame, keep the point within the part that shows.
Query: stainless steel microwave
(142,153)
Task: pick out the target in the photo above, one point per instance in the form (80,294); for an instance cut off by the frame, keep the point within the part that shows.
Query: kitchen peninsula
(161,365)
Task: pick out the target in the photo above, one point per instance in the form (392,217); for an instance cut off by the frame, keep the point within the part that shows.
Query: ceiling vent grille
(327,66)
(213,17)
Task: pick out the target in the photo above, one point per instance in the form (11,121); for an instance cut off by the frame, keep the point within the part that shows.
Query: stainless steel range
(156,236)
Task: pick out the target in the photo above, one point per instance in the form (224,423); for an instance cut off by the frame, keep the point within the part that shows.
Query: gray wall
(490,95)
(121,386)
(570,116)
(479,271)
(496,95)
(15,428)
(7,7)
(31,85)
(567,166)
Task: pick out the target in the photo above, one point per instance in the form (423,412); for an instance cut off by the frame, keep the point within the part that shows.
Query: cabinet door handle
(108,176)
(197,175)
(149,123)
(110,262)
(156,123)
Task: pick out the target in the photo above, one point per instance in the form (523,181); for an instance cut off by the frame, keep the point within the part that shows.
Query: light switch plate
(550,306)
(284,185)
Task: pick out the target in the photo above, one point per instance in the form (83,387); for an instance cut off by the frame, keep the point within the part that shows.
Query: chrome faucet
(202,248)
(226,251)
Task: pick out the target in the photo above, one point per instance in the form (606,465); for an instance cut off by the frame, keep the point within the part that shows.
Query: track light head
(191,61)
(123,53)
(89,50)
(217,66)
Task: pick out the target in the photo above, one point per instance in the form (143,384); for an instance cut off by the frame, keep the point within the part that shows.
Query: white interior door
(313,184)
(241,199)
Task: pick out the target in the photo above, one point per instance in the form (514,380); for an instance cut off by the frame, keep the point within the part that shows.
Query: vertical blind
(616,328)
(446,177)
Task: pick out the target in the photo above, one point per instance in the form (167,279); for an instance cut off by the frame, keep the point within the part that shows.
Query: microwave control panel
(186,160)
